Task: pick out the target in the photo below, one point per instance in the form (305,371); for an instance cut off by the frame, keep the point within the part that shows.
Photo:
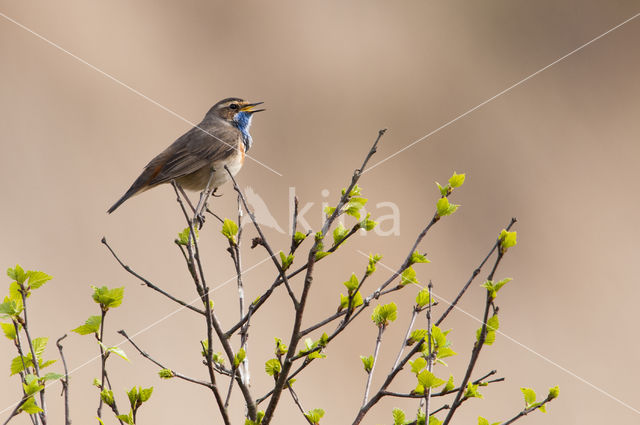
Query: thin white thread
(128,87)
(500,94)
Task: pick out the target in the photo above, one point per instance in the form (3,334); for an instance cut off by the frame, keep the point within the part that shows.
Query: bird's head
(234,110)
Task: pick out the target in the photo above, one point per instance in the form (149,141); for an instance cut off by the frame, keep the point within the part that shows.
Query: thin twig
(528,410)
(160,365)
(148,283)
(376,351)
(473,276)
(263,240)
(65,382)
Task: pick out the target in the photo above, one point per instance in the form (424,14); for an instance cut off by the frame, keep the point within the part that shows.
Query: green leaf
(416,257)
(9,330)
(456,180)
(314,415)
(417,335)
(42,364)
(383,314)
(423,299)
(482,421)
(398,417)
(127,419)
(321,254)
(91,325)
(10,307)
(118,351)
(356,301)
(134,396)
(554,392)
(183,237)
(507,240)
(501,283)
(529,396)
(108,298)
(230,230)
(367,362)
(272,367)
(429,380)
(19,363)
(165,373)
(445,352)
(39,345)
(472,391)
(408,277)
(32,386)
(107,397)
(37,279)
(298,237)
(434,421)
(493,323)
(329,211)
(51,376)
(30,407)
(417,365)
(339,234)
(18,274)
(352,283)
(239,357)
(449,385)
(368,224)
(444,190)
(281,348)
(373,260)
(145,394)
(443,207)
(286,260)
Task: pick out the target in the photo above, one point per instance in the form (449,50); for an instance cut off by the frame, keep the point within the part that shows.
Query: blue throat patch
(242,121)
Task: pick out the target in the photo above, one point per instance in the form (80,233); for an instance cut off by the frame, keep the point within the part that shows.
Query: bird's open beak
(249,107)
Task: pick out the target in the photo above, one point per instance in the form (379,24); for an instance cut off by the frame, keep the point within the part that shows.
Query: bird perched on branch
(222,138)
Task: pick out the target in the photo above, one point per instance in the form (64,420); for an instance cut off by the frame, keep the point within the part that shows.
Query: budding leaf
(314,416)
(239,357)
(423,298)
(416,257)
(383,314)
(417,365)
(456,180)
(183,237)
(165,373)
(529,396)
(443,207)
(229,230)
(272,367)
(554,392)
(37,279)
(91,325)
(339,234)
(408,276)
(429,380)
(299,237)
(356,301)
(507,240)
(286,260)
(352,283)
(9,330)
(30,407)
(398,417)
(108,298)
(373,259)
(449,385)
(367,362)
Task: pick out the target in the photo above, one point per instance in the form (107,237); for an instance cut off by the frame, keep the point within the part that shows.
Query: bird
(221,139)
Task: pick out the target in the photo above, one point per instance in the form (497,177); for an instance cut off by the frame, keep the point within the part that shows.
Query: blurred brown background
(560,152)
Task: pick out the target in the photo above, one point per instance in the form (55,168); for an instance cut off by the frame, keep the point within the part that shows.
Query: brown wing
(190,152)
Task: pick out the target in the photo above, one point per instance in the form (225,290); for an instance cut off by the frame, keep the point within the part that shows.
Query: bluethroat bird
(222,138)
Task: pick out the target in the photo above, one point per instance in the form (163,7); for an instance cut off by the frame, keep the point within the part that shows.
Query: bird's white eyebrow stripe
(125,85)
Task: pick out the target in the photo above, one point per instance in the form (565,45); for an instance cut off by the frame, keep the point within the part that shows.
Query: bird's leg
(202,203)
(186,197)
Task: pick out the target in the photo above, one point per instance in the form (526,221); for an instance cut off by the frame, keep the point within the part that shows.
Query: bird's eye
(234,106)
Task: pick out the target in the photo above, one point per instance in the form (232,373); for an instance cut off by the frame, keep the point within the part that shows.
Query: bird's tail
(132,191)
